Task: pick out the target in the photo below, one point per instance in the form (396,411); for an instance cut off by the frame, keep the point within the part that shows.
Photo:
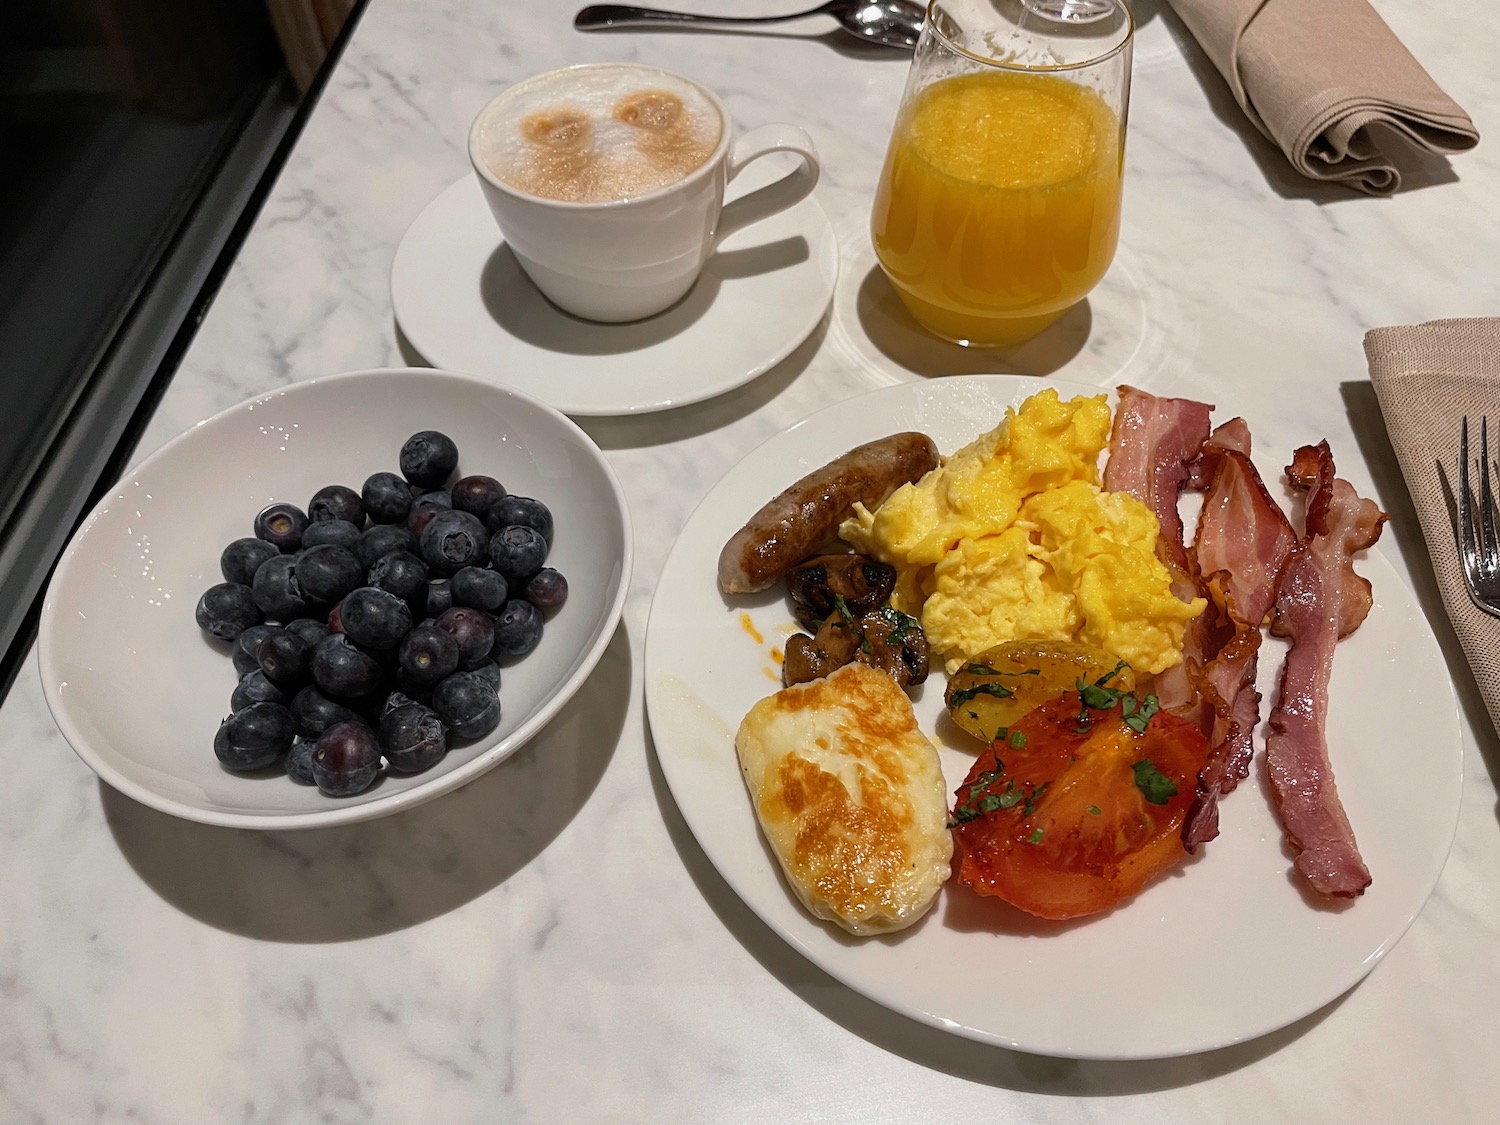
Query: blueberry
(387,498)
(428,654)
(313,712)
(341,533)
(417,522)
(374,618)
(281,525)
(547,589)
(255,688)
(346,759)
(403,574)
(381,540)
(310,629)
(341,669)
(285,658)
(472,629)
(439,596)
(335,502)
(518,551)
(489,672)
(454,540)
(477,494)
(299,762)
(467,704)
(412,738)
(327,572)
(424,507)
(511,510)
(276,589)
(254,737)
(478,587)
(247,646)
(518,628)
(240,559)
(227,610)
(394,699)
(428,458)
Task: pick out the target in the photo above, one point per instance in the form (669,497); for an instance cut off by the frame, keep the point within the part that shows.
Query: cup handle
(779,194)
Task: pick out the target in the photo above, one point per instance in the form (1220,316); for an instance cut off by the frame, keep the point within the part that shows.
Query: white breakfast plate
(139,690)
(1224,949)
(462,301)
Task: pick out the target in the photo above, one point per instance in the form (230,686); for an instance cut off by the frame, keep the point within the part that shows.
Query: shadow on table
(1418,168)
(358,880)
(517,306)
(1405,531)
(940,1050)
(898,336)
(665,427)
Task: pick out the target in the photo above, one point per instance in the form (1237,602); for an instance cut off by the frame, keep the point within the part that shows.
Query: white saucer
(461,300)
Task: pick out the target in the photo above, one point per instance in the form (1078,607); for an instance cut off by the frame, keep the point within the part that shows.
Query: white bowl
(139,690)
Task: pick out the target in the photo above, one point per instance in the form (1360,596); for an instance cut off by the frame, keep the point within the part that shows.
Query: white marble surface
(549,944)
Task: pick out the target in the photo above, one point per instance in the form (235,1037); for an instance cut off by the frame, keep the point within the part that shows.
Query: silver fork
(1477,543)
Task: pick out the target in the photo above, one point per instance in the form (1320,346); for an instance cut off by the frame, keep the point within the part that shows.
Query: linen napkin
(1427,377)
(1329,82)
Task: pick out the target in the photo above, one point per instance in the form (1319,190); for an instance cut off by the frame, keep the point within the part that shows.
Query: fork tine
(1465,515)
(1489,550)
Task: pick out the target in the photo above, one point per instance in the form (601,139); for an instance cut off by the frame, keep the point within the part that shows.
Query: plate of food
(1098,740)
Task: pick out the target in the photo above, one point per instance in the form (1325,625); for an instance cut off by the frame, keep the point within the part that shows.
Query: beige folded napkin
(1330,83)
(1427,377)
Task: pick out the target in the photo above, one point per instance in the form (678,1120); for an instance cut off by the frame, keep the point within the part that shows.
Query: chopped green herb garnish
(980,670)
(965,695)
(901,624)
(1137,719)
(1017,740)
(1154,785)
(1031,800)
(1094,810)
(1096,697)
(843,607)
(1035,837)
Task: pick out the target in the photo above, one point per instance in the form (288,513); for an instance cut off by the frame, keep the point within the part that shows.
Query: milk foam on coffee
(599,133)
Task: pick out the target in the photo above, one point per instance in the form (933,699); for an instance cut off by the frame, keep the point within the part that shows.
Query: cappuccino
(598,134)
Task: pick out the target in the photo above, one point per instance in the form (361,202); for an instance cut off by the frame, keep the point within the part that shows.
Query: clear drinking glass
(999,204)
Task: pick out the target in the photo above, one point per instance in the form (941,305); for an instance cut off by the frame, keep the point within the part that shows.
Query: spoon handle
(598,17)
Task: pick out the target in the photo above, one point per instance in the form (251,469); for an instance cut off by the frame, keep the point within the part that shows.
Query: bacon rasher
(1159,446)
(1242,540)
(1152,445)
(1319,599)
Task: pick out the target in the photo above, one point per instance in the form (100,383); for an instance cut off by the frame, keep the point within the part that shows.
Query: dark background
(140,137)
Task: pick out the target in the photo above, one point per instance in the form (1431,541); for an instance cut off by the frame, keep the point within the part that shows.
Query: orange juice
(999,204)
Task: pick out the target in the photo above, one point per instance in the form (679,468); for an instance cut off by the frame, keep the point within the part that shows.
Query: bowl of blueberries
(336,600)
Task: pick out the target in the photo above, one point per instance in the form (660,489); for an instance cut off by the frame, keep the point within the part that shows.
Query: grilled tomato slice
(996,688)
(1080,806)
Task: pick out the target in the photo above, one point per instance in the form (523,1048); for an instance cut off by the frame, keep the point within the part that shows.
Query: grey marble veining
(548,944)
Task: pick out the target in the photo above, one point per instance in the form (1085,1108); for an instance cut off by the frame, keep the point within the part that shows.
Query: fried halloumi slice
(851,796)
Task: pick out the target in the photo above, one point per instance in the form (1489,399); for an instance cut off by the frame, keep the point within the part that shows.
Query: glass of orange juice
(999,204)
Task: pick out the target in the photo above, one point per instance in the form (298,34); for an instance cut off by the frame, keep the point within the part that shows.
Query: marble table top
(549,943)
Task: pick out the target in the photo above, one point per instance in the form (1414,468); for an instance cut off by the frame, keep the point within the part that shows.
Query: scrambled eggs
(1012,539)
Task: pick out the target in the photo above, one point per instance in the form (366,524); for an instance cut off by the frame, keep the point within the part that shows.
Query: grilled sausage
(805,516)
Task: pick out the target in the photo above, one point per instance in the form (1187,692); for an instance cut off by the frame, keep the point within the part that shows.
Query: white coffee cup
(627,258)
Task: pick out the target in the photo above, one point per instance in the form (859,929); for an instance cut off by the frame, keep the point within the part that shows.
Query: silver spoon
(894,23)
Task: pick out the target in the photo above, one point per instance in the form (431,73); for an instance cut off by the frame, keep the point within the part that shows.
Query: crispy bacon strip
(1151,446)
(1242,530)
(1319,599)
(1242,540)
